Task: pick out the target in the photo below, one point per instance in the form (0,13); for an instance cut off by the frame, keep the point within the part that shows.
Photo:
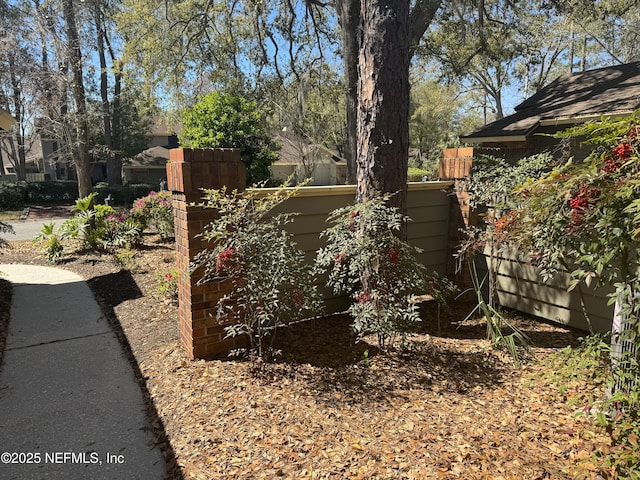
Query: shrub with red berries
(365,258)
(270,281)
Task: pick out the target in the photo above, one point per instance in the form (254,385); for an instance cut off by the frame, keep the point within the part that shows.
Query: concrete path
(28,229)
(70,407)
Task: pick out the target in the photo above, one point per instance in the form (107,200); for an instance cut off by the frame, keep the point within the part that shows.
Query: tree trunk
(383,100)
(116,124)
(349,19)
(83,168)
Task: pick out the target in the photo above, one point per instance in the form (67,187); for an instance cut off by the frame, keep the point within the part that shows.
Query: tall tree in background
(17,84)
(350,15)
(81,162)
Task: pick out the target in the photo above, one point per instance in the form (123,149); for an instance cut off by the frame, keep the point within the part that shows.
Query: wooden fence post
(456,164)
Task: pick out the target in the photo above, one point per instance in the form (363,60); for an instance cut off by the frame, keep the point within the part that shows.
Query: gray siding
(428,207)
(520,287)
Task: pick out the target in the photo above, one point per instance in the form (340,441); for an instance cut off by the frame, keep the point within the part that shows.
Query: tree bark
(383,100)
(83,168)
(349,20)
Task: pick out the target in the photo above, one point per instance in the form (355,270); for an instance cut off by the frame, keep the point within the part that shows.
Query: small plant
(100,226)
(619,417)
(365,258)
(167,285)
(126,259)
(5,228)
(118,230)
(497,323)
(51,242)
(270,283)
(155,211)
(583,373)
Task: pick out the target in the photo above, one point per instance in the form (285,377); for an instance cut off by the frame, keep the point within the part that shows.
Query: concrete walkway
(70,407)
(28,229)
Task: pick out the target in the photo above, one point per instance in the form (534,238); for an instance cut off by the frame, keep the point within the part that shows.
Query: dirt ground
(445,406)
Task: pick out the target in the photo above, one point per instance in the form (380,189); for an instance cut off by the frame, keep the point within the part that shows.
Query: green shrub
(122,195)
(417,174)
(12,196)
(155,211)
(270,283)
(365,258)
(54,191)
(100,226)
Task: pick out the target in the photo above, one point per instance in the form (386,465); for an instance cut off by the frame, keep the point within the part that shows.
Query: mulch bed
(444,406)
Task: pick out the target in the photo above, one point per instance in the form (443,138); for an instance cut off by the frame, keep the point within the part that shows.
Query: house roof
(154,157)
(6,120)
(571,98)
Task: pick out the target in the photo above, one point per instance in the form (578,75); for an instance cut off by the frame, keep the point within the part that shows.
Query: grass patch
(10,215)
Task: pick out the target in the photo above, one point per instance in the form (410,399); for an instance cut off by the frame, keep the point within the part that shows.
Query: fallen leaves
(350,422)
(445,408)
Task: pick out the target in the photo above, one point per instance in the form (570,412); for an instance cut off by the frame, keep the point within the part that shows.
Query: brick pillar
(456,164)
(189,171)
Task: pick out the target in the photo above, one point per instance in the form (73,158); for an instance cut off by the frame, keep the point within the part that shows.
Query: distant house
(569,100)
(6,120)
(303,160)
(149,166)
(163,135)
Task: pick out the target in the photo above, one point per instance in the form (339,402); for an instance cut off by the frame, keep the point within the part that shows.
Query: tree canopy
(222,120)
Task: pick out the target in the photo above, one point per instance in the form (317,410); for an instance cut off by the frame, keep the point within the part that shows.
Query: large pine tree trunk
(383,100)
(83,168)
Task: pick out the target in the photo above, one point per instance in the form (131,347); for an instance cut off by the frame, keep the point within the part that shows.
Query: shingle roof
(576,96)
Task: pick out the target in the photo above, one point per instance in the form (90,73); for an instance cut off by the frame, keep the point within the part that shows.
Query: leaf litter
(444,407)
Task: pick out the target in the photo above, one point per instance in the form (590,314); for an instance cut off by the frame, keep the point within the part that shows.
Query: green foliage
(167,285)
(122,195)
(270,282)
(51,242)
(12,196)
(155,211)
(586,365)
(417,174)
(5,228)
(100,227)
(435,120)
(494,179)
(580,216)
(497,324)
(583,373)
(620,419)
(54,191)
(126,259)
(229,121)
(365,258)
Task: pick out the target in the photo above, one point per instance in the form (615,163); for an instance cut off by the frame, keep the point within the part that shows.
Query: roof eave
(495,139)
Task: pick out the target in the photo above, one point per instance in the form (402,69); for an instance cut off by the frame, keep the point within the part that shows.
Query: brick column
(189,171)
